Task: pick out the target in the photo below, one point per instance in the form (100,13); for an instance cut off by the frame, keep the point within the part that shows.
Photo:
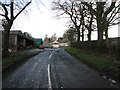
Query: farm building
(19,40)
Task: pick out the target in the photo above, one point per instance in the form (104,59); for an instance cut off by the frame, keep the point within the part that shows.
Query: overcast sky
(40,20)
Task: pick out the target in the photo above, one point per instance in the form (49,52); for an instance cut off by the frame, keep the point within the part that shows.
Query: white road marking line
(49,79)
(50,55)
(34,66)
(67,54)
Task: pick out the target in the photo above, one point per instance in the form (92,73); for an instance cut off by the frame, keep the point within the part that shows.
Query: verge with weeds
(9,62)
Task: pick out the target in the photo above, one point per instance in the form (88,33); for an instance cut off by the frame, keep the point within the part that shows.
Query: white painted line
(50,55)
(34,66)
(49,79)
(67,54)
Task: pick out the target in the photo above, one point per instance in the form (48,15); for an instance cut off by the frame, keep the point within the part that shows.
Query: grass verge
(97,61)
(12,61)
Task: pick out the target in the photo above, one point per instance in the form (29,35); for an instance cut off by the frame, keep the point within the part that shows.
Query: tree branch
(12,10)
(90,8)
(113,14)
(6,12)
(22,10)
(2,15)
(109,9)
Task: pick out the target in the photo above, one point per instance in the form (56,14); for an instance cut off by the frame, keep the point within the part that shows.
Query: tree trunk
(100,31)
(108,42)
(90,28)
(100,43)
(89,36)
(100,35)
(6,43)
(82,34)
(6,40)
(100,10)
(78,32)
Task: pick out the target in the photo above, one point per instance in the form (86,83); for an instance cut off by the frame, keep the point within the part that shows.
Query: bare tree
(10,10)
(72,9)
(88,21)
(80,16)
(53,37)
(102,13)
(70,34)
(105,13)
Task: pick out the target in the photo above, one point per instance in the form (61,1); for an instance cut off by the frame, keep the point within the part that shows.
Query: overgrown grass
(98,61)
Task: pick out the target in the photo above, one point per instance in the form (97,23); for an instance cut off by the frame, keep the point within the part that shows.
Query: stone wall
(13,42)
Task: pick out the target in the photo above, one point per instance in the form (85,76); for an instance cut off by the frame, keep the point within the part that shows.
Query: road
(55,68)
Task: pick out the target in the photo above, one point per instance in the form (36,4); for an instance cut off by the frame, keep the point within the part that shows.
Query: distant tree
(53,37)
(70,35)
(10,10)
(60,39)
(46,38)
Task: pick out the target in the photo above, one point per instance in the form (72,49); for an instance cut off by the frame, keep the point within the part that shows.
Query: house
(55,44)
(19,40)
(63,44)
(38,42)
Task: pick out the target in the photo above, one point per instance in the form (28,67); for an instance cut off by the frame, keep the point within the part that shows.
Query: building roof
(19,32)
(55,41)
(37,39)
(15,32)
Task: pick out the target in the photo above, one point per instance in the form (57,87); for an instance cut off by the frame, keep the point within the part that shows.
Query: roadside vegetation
(97,61)
(11,61)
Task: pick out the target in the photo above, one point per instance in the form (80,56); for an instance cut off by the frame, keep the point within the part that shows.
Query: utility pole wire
(37,7)
(44,6)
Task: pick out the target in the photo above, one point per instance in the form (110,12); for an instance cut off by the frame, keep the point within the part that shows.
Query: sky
(41,20)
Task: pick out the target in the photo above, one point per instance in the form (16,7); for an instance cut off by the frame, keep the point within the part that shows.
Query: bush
(100,48)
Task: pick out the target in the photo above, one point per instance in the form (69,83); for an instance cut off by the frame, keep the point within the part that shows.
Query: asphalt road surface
(55,68)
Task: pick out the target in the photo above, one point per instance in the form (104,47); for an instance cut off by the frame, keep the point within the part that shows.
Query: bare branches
(72,9)
(9,8)
(91,9)
(69,8)
(5,10)
(12,9)
(90,15)
(109,9)
(113,16)
(22,10)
